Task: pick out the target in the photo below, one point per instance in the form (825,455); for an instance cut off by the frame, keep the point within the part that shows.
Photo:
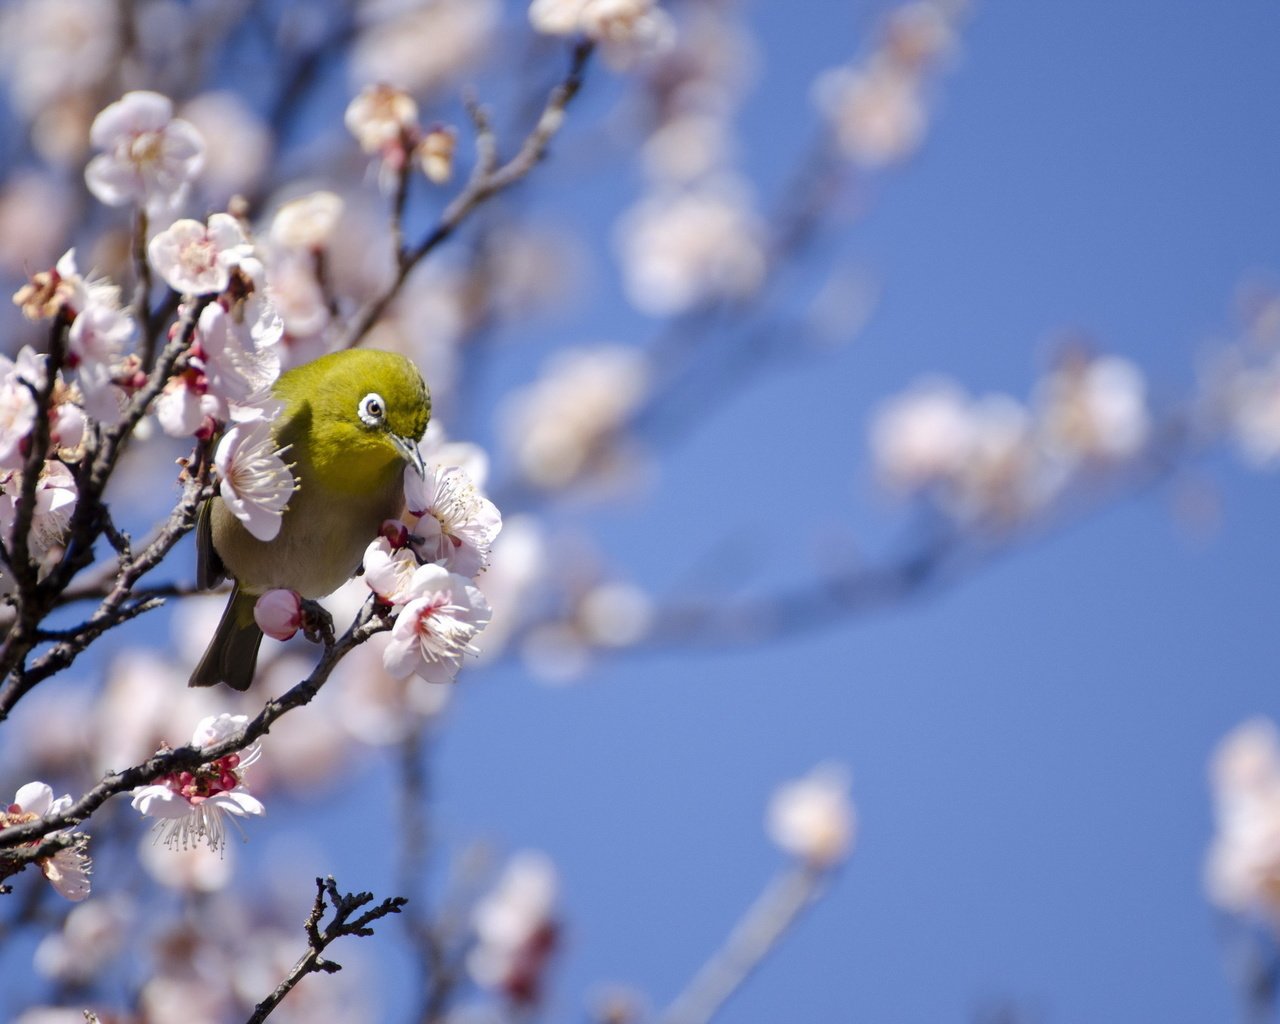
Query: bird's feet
(317,624)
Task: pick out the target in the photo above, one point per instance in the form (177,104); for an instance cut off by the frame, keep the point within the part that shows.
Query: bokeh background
(1029,738)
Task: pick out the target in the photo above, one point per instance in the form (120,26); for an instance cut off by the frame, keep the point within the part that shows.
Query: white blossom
(812,818)
(197,259)
(388,571)
(436,627)
(307,222)
(256,483)
(150,157)
(381,117)
(17,412)
(1242,870)
(1096,408)
(68,869)
(193,805)
(456,523)
(626,29)
(515,928)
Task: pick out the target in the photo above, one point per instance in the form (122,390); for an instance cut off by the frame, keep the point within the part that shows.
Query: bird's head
(368,410)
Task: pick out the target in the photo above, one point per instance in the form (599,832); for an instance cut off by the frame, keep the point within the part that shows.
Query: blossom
(193,805)
(256,482)
(457,524)
(17,412)
(516,930)
(278,613)
(421,47)
(381,117)
(436,627)
(435,154)
(388,571)
(55,501)
(627,29)
(307,222)
(87,940)
(195,259)
(1242,870)
(877,113)
(681,248)
(569,421)
(239,357)
(1096,408)
(812,818)
(150,156)
(922,436)
(68,869)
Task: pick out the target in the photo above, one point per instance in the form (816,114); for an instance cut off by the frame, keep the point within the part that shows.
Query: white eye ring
(372,409)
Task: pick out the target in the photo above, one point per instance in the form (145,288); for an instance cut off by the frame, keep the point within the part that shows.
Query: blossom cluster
(994,461)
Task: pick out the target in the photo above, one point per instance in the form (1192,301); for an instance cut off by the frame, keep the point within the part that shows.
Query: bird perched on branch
(350,422)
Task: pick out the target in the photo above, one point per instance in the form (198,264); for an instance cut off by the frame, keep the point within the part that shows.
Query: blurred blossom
(195,869)
(687,147)
(88,940)
(615,614)
(307,222)
(375,707)
(50,48)
(437,450)
(51,1015)
(877,113)
(567,422)
(420,44)
(428,323)
(999,483)
(244,144)
(435,154)
(627,30)
(1096,408)
(1251,395)
(382,117)
(298,298)
(518,568)
(922,436)
(812,818)
(150,157)
(682,248)
(191,999)
(555,652)
(1242,871)
(35,216)
(306,751)
(516,930)
(67,870)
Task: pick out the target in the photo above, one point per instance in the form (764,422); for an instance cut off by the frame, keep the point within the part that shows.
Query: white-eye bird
(351,421)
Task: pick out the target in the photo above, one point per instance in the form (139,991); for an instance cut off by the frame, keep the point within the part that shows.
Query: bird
(350,422)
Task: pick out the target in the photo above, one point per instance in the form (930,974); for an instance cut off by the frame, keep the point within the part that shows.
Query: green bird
(350,422)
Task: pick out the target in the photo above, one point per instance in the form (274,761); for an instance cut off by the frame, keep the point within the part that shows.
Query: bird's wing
(209,568)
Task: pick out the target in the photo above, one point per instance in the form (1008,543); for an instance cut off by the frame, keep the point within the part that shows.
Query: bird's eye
(372,409)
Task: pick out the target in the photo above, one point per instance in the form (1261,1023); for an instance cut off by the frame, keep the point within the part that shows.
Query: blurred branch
(754,938)
(318,940)
(486,181)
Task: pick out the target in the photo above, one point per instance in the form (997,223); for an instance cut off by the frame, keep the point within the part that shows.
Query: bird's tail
(233,651)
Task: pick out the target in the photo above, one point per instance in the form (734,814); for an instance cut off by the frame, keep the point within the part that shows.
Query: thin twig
(483,184)
(318,939)
(754,937)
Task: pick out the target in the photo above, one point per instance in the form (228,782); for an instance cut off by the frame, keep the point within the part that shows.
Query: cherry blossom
(256,482)
(389,570)
(1243,863)
(436,627)
(516,930)
(307,222)
(68,869)
(55,500)
(456,523)
(381,117)
(149,156)
(626,29)
(195,259)
(193,806)
(812,818)
(17,412)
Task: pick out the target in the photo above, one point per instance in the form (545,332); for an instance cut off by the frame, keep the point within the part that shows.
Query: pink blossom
(68,869)
(193,805)
(256,483)
(456,522)
(195,259)
(436,627)
(149,155)
(388,571)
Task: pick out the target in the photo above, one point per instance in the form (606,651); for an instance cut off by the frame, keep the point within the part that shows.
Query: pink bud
(278,613)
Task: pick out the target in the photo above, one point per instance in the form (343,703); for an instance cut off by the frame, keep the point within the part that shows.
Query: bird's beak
(408,449)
